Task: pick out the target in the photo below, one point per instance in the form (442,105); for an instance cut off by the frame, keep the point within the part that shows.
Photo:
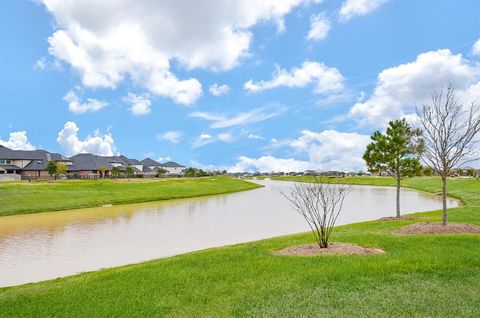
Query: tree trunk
(398,198)
(444,200)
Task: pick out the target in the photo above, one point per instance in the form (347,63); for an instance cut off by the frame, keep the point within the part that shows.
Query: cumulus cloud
(326,80)
(269,164)
(351,8)
(98,144)
(253,116)
(139,104)
(219,90)
(326,150)
(173,136)
(17,140)
(112,40)
(476,48)
(319,27)
(399,88)
(78,107)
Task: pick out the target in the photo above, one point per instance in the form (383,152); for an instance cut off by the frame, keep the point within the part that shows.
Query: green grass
(25,197)
(419,276)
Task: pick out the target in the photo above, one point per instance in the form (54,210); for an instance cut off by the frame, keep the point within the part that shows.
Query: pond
(43,246)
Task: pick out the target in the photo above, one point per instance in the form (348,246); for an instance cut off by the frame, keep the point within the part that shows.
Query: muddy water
(42,246)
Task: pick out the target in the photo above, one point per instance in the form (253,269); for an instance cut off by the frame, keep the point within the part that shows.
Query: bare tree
(320,205)
(449,130)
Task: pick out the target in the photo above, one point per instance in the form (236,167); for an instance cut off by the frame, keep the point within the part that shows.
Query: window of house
(5,162)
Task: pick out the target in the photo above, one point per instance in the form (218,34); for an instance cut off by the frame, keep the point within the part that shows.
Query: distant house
(90,165)
(173,167)
(152,166)
(15,164)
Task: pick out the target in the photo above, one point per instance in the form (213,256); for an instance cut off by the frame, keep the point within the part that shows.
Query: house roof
(9,167)
(7,153)
(150,162)
(135,161)
(38,158)
(88,161)
(172,164)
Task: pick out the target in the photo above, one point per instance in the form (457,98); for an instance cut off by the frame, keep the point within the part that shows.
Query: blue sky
(300,84)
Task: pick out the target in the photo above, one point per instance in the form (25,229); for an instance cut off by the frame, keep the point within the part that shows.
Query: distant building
(15,164)
(31,164)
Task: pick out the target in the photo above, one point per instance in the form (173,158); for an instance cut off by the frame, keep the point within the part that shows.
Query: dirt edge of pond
(438,228)
(394,218)
(333,248)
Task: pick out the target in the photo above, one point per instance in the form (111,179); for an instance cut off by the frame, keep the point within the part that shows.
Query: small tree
(129,171)
(103,170)
(396,152)
(427,171)
(161,172)
(470,172)
(51,168)
(449,131)
(115,171)
(61,168)
(320,205)
(190,172)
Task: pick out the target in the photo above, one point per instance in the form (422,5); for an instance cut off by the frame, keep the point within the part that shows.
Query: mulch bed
(333,248)
(438,228)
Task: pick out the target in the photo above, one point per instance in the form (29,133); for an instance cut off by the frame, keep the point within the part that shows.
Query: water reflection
(48,245)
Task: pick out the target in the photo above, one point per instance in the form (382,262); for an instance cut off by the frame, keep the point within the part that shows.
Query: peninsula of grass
(33,197)
(418,276)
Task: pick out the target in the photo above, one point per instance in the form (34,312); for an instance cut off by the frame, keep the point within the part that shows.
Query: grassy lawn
(419,276)
(25,197)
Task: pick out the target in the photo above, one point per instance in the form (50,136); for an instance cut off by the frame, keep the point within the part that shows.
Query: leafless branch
(320,205)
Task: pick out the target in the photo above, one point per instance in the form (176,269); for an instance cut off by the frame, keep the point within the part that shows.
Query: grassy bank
(25,197)
(431,275)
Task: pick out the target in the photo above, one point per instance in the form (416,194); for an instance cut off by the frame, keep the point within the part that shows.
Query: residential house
(16,164)
(173,168)
(31,164)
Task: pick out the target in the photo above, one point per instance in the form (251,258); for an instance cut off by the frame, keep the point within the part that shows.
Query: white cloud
(219,90)
(332,150)
(326,79)
(111,40)
(225,137)
(476,48)
(17,140)
(253,116)
(255,137)
(77,107)
(139,104)
(351,8)
(40,64)
(326,150)
(202,140)
(269,164)
(399,88)
(103,145)
(209,167)
(319,27)
(174,136)
(164,159)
